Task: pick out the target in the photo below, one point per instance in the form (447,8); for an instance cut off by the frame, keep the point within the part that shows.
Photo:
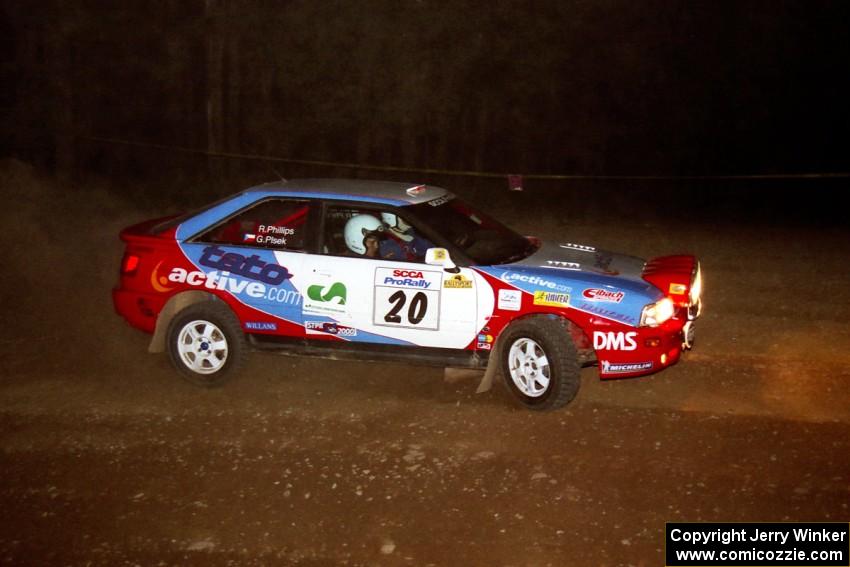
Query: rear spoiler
(160,227)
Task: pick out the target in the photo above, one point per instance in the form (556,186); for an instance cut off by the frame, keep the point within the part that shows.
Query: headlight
(696,286)
(656,313)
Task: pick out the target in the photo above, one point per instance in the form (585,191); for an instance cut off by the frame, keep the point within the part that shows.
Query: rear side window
(275,223)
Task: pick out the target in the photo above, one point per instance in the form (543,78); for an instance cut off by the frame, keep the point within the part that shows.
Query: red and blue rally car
(379,270)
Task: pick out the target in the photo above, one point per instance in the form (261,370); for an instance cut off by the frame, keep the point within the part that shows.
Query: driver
(363,234)
(401,242)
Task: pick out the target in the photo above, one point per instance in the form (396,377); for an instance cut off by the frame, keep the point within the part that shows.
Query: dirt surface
(108,458)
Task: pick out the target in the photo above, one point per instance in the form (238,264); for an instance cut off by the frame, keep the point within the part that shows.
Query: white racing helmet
(356,230)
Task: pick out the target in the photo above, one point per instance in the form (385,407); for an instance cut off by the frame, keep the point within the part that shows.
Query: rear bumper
(138,309)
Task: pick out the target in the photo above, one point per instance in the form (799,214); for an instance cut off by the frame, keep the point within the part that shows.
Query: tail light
(129,264)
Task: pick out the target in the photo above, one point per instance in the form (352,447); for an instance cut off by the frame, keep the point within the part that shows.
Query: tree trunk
(59,63)
(215,40)
(481,133)
(234,93)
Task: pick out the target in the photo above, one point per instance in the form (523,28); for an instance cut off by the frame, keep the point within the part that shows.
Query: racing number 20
(415,312)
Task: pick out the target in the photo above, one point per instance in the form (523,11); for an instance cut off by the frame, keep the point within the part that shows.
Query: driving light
(696,286)
(656,313)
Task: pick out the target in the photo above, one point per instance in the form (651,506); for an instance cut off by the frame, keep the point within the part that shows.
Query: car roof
(361,189)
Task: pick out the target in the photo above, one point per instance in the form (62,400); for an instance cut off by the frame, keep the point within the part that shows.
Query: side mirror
(440,257)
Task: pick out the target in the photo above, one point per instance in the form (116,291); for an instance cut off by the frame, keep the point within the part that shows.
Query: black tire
(213,367)
(549,336)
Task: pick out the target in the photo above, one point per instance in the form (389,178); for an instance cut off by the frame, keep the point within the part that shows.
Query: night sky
(587,88)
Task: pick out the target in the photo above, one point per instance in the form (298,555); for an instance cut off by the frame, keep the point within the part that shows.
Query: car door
(385,301)
(252,257)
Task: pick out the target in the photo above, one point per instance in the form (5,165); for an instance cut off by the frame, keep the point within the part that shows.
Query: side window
(370,233)
(274,223)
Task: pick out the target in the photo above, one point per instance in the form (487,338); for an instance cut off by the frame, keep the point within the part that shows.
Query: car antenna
(282,178)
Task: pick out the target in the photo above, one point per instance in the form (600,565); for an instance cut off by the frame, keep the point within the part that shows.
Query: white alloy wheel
(202,347)
(529,367)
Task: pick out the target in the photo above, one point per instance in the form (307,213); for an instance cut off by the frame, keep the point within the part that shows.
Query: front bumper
(655,349)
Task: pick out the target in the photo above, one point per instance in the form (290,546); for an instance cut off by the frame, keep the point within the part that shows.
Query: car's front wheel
(206,343)
(540,363)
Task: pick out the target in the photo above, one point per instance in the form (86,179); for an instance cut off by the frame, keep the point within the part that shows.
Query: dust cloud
(60,261)
(109,458)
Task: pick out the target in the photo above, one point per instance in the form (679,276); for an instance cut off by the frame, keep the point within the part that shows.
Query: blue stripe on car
(211,216)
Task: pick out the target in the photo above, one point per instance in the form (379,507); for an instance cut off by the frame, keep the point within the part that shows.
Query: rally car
(380,270)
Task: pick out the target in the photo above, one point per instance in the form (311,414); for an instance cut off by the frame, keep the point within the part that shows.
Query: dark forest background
(603,87)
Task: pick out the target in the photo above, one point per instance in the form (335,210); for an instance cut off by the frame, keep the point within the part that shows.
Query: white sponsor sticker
(410,308)
(510,299)
(623,367)
(407,297)
(614,341)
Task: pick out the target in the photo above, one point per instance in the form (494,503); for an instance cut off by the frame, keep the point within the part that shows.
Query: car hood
(596,281)
(588,259)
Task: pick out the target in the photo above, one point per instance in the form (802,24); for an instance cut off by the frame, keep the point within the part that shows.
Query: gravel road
(109,459)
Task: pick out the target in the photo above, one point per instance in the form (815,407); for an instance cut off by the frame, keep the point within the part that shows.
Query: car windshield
(485,240)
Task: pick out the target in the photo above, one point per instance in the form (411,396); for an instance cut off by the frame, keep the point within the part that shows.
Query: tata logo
(251,267)
(614,341)
(407,274)
(596,294)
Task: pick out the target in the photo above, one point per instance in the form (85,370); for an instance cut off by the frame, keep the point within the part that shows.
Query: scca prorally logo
(409,278)
(251,267)
(623,367)
(408,274)
(336,293)
(614,341)
(597,294)
(513,277)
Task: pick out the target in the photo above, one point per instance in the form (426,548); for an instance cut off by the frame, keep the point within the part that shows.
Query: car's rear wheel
(206,344)
(540,363)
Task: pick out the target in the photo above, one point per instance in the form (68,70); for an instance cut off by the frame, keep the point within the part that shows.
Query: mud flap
(492,368)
